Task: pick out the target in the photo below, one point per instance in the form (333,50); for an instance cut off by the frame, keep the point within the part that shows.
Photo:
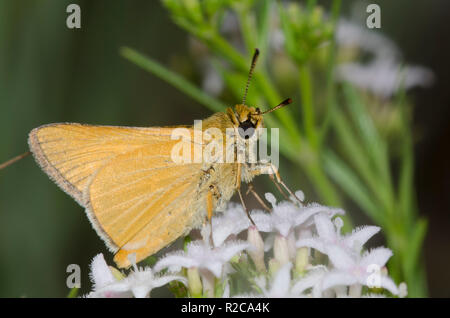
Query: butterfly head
(250,118)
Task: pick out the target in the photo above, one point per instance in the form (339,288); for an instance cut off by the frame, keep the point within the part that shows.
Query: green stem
(248,27)
(330,105)
(174,79)
(306,93)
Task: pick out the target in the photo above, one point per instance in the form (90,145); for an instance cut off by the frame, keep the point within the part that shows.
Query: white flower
(281,283)
(402,290)
(280,286)
(286,216)
(232,222)
(349,34)
(202,256)
(384,74)
(256,250)
(329,234)
(139,282)
(384,77)
(282,250)
(102,277)
(208,267)
(350,269)
(372,295)
(313,279)
(100,273)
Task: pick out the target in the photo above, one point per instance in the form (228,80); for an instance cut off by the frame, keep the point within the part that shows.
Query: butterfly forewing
(136,197)
(71,153)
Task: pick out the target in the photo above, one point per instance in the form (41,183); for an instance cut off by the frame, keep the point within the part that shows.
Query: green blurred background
(49,73)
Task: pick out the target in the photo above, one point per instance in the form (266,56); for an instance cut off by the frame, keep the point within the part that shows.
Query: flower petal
(360,236)
(174,261)
(325,228)
(234,221)
(100,273)
(340,257)
(163,280)
(378,256)
(313,242)
(281,282)
(338,278)
(230,249)
(311,279)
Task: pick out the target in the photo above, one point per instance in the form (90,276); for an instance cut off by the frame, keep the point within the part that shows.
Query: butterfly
(137,198)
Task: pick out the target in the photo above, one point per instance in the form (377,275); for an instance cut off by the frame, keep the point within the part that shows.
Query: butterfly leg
(257,197)
(278,187)
(238,188)
(209,208)
(11,161)
(272,171)
(278,180)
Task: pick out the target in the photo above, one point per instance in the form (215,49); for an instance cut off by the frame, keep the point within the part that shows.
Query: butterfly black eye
(246,129)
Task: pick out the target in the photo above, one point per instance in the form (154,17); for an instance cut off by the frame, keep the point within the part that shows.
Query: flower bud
(281,250)
(402,290)
(354,291)
(256,250)
(301,260)
(116,273)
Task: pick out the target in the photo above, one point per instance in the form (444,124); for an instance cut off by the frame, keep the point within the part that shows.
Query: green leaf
(376,146)
(264,27)
(357,155)
(350,183)
(193,11)
(406,183)
(150,260)
(406,197)
(247,22)
(172,78)
(236,82)
(415,242)
(73,293)
(330,104)
(310,4)
(306,94)
(290,41)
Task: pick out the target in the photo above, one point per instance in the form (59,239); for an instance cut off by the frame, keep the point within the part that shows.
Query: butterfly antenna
(250,73)
(11,161)
(280,105)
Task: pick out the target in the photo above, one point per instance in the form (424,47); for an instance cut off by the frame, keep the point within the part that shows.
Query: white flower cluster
(303,254)
(385,73)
